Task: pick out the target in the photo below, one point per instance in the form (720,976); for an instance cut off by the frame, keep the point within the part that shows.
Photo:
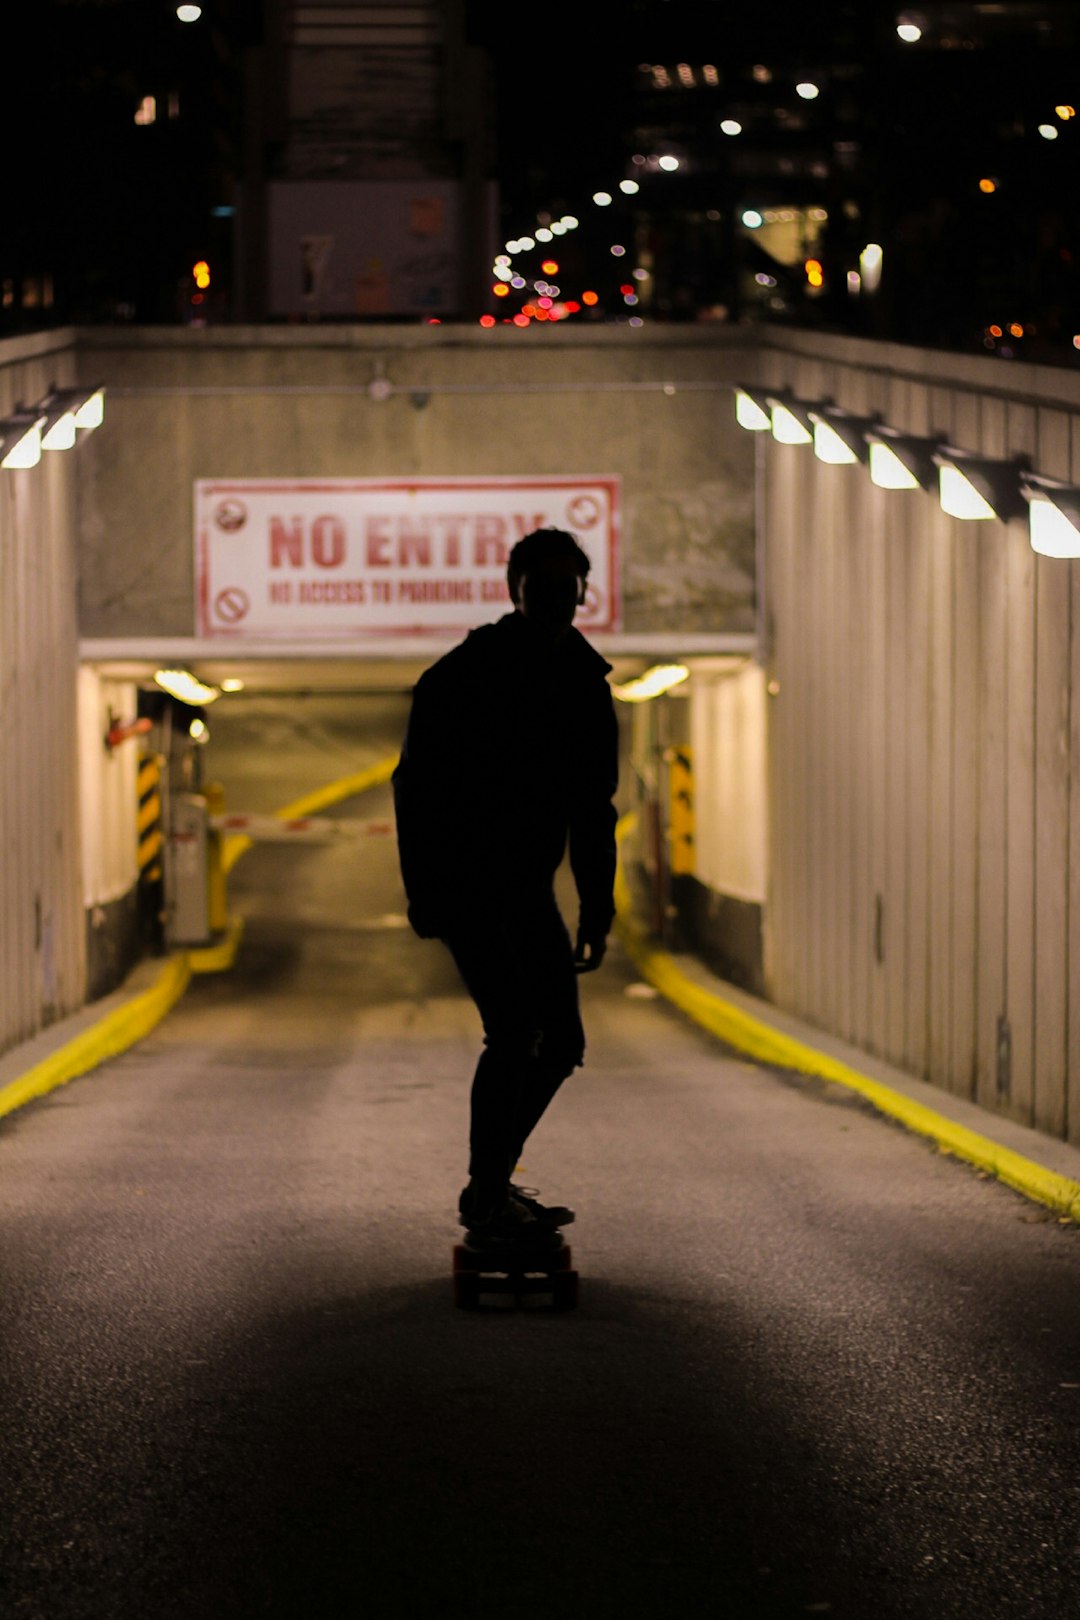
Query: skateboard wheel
(564,1291)
(466,1291)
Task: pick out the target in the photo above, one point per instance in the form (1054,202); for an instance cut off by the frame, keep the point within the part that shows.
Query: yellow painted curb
(758,1040)
(122,1028)
(112,1035)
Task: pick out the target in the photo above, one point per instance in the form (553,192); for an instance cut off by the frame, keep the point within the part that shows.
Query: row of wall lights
(969,486)
(53,424)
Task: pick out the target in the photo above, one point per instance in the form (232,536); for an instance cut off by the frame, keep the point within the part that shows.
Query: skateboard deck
(523,1271)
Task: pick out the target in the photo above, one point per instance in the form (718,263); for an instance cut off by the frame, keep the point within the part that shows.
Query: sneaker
(549,1216)
(502,1223)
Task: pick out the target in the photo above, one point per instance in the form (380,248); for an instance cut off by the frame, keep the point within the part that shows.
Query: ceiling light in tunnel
(182,684)
(656,681)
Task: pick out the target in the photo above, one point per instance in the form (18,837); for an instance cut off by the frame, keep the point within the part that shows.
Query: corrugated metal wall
(42,971)
(924,744)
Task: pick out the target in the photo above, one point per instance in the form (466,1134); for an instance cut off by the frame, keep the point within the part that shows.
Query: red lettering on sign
(414,543)
(377,542)
(454,526)
(328,542)
(489,541)
(289,541)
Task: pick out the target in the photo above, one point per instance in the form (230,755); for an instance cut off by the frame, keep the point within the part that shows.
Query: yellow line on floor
(758,1040)
(123,1027)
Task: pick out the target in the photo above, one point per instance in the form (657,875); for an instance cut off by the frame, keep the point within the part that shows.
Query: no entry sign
(304,559)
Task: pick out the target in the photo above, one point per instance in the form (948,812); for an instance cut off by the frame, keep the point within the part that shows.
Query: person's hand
(590,948)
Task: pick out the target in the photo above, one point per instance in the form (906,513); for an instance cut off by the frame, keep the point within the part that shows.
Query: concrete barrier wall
(650,405)
(924,739)
(42,957)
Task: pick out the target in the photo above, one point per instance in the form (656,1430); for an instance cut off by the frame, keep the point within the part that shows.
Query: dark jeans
(518,966)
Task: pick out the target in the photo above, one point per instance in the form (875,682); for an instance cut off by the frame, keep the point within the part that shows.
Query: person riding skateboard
(511,753)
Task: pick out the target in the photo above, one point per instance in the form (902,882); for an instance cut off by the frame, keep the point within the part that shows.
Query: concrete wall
(924,738)
(42,959)
(651,405)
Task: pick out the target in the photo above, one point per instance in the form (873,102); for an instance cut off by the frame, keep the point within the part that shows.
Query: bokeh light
(668,163)
(601,198)
(807,90)
(731,126)
(1049,132)
(909,32)
(986,185)
(487,320)
(501,290)
(630,187)
(590,298)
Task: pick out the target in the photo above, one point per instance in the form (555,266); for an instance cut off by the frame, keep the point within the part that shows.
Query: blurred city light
(1065,113)
(668,163)
(543,235)
(618,249)
(854,283)
(590,298)
(233,683)
(731,126)
(569,222)
(501,290)
(871,260)
(146,113)
(909,32)
(814,274)
(558,229)
(636,320)
(630,187)
(189,13)
(752,219)
(502,258)
(987,185)
(1048,132)
(521,320)
(525,244)
(549,267)
(807,90)
(601,198)
(640,275)
(517,282)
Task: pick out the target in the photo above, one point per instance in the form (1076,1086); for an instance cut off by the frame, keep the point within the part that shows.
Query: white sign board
(311,558)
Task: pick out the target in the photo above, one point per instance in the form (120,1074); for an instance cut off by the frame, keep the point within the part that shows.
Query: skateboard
(518,1272)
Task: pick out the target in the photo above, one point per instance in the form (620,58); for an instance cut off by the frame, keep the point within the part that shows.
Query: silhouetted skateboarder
(511,750)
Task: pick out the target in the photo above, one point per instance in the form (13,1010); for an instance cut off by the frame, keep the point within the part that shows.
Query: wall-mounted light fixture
(839,438)
(53,424)
(901,461)
(752,409)
(20,438)
(976,488)
(791,421)
(1053,515)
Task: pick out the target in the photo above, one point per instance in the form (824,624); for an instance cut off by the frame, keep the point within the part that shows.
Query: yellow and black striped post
(151,837)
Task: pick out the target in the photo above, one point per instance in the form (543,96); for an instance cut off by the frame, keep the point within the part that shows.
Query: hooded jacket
(511,751)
